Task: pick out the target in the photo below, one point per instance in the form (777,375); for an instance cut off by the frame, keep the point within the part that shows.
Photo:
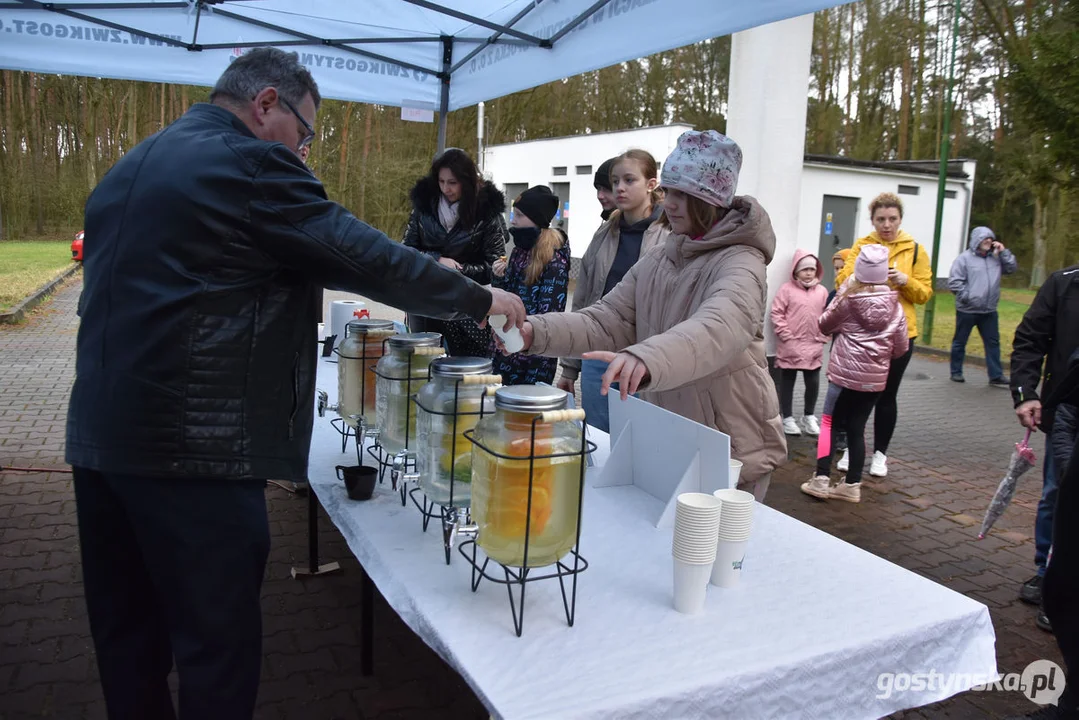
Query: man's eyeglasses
(306,126)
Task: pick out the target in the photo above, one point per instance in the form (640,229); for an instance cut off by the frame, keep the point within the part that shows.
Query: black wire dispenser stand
(452,516)
(519,577)
(402,464)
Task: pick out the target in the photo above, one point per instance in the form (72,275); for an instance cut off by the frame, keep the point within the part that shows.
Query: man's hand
(508,304)
(1029,414)
(564,383)
(625,369)
(899,278)
(450,263)
(997,247)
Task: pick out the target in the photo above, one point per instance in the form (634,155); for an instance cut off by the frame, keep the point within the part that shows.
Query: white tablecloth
(813,624)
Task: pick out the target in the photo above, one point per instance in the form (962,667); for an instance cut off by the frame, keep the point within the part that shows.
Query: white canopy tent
(411,53)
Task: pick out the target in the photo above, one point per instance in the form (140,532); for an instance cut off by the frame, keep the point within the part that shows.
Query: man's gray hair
(254,71)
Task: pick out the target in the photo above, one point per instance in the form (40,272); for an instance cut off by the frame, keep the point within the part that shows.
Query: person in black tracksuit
(457,220)
(1049,334)
(1060,596)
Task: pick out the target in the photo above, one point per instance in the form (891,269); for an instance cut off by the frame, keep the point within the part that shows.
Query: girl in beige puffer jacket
(685,325)
(870,330)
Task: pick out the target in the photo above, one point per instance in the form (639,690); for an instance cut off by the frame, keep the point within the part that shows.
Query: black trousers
(851,413)
(172,570)
(887,406)
(1060,593)
(787,378)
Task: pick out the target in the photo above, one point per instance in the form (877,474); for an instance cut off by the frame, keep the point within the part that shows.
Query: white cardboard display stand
(663,454)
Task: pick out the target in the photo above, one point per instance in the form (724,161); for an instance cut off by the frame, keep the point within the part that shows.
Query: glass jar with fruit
(452,402)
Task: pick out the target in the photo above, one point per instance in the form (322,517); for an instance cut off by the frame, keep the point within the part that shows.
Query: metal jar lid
(530,398)
(458,367)
(415,340)
(362,327)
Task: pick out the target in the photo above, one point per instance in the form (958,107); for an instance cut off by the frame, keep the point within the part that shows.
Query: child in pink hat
(870,330)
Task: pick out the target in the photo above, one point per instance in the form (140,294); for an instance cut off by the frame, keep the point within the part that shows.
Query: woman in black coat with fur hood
(457,219)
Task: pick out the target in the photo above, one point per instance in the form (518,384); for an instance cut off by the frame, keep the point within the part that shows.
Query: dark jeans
(172,570)
(787,378)
(1043,521)
(887,406)
(851,413)
(989,328)
(1060,594)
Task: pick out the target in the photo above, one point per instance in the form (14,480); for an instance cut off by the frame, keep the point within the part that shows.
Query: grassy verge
(1013,304)
(26,266)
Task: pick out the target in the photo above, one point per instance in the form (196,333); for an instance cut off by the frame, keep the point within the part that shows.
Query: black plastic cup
(359,480)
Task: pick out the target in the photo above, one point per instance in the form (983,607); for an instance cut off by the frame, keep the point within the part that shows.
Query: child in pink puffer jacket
(799,343)
(870,330)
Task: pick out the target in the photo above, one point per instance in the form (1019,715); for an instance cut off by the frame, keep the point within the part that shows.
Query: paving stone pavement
(951,446)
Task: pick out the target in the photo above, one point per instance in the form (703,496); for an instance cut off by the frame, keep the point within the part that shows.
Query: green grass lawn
(1013,303)
(26,266)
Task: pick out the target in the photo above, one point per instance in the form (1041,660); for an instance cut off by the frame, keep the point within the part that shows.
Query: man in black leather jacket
(207,248)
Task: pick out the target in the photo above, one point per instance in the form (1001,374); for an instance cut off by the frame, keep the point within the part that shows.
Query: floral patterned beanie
(704,164)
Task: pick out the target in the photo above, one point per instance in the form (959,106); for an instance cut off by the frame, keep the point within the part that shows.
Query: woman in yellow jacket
(910,272)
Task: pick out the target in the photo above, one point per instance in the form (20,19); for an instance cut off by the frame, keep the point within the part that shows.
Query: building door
(837,223)
(561,218)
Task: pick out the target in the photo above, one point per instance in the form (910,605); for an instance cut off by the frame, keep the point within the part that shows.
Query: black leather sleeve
(303,230)
(493,241)
(1033,342)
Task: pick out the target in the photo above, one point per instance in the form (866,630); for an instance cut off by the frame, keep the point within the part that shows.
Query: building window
(558,171)
(584,169)
(950,193)
(909,189)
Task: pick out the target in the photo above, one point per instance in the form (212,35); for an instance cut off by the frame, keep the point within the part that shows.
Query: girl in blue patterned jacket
(538,271)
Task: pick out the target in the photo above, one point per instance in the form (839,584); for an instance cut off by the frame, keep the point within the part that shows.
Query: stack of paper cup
(736,522)
(696,527)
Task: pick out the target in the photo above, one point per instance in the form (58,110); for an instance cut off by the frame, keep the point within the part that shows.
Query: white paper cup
(735,471)
(727,568)
(690,586)
(698,503)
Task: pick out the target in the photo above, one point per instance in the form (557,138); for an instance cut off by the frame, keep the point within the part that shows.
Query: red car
(76,247)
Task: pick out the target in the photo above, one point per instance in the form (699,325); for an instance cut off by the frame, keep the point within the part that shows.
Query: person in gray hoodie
(975,280)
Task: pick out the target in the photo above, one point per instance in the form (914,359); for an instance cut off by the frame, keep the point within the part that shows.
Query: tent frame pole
(444,100)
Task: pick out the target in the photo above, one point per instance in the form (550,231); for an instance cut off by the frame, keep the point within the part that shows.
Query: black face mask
(524,238)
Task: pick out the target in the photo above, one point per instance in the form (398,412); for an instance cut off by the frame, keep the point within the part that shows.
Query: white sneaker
(812,427)
(879,467)
(850,492)
(817,486)
(790,426)
(844,462)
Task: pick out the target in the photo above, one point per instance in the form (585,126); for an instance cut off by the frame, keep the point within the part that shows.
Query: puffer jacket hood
(795,312)
(870,329)
(490,201)
(977,235)
(800,255)
(745,223)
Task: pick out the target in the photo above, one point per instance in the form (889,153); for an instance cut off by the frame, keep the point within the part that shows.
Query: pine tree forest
(878,87)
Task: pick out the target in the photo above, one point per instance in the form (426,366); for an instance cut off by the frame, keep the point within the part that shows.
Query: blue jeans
(595,406)
(1043,522)
(989,329)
